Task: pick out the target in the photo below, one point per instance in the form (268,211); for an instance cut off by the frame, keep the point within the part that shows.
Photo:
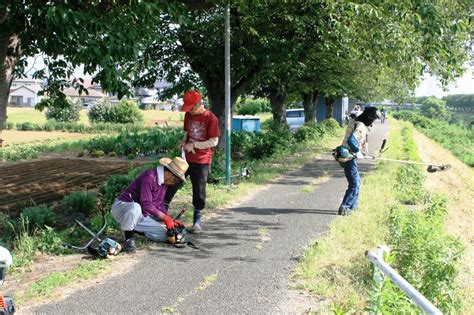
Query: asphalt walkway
(246,254)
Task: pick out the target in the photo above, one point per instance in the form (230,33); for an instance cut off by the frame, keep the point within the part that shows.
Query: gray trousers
(129,216)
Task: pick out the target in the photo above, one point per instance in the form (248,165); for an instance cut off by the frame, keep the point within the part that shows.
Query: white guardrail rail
(377,259)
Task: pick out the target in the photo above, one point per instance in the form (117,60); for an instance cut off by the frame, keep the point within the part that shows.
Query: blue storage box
(246,123)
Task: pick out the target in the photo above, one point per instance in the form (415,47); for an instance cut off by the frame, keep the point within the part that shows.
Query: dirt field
(14,136)
(49,180)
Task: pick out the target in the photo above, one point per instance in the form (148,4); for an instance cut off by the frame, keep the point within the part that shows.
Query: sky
(431,86)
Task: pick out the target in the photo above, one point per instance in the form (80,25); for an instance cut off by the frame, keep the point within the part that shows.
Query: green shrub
(277,139)
(49,125)
(113,186)
(6,228)
(409,186)
(100,112)
(51,242)
(310,132)
(126,111)
(68,111)
(80,201)
(39,216)
(249,107)
(241,141)
(97,221)
(103,143)
(426,256)
(9,125)
(330,124)
(27,126)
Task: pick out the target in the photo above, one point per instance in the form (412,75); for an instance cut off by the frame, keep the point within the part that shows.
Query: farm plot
(45,181)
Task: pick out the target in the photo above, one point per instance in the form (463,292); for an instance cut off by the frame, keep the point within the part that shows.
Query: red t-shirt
(200,128)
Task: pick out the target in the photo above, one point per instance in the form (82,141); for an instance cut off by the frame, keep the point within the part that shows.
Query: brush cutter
(178,235)
(106,247)
(432,168)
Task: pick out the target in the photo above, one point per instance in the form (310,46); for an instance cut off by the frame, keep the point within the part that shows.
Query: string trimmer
(106,246)
(432,168)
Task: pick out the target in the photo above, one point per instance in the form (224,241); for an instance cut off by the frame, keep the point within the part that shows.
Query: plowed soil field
(49,180)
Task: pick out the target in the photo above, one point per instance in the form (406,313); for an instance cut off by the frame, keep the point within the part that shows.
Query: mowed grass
(22,114)
(151,117)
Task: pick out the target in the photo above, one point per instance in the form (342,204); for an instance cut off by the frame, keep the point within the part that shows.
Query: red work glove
(177,223)
(168,221)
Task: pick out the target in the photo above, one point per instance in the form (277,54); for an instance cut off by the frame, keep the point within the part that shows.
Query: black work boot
(129,246)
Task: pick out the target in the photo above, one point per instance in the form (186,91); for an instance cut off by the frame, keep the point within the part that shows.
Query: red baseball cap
(190,98)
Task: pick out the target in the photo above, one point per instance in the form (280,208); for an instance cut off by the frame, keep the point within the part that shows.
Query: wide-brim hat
(190,98)
(177,166)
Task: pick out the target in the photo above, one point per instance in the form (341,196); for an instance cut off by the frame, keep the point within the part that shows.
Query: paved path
(246,257)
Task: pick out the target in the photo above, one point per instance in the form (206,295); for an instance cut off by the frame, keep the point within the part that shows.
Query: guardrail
(377,259)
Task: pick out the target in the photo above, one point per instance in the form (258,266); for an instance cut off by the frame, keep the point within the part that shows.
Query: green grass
(47,285)
(335,268)
(22,114)
(27,114)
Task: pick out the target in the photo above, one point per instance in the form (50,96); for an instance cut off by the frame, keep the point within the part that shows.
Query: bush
(126,111)
(49,241)
(241,141)
(100,112)
(113,186)
(435,108)
(426,256)
(310,132)
(276,139)
(80,201)
(253,106)
(39,216)
(9,125)
(66,111)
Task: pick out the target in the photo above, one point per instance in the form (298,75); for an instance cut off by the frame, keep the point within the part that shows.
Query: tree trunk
(9,52)
(277,101)
(309,105)
(329,105)
(216,97)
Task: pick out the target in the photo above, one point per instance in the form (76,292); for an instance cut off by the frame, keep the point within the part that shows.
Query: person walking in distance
(201,128)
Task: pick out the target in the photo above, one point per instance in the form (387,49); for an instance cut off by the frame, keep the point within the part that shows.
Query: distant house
(93,97)
(24,92)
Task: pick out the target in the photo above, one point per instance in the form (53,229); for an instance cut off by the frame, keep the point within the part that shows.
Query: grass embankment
(335,268)
(219,195)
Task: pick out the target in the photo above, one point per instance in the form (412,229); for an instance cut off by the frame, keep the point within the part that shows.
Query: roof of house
(33,88)
(92,93)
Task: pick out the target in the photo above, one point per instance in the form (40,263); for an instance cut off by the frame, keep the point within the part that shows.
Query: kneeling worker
(140,207)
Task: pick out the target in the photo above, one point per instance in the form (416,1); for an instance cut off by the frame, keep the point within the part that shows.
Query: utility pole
(228,113)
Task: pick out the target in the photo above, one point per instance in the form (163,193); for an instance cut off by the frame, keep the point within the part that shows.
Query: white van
(295,118)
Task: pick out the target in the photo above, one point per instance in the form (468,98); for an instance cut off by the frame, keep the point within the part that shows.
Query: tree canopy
(366,49)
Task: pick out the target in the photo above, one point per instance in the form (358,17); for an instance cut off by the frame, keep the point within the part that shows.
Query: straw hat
(177,166)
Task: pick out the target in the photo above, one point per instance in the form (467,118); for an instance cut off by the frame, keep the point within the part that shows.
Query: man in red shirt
(201,129)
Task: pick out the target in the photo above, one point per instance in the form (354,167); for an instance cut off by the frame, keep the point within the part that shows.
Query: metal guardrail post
(400,282)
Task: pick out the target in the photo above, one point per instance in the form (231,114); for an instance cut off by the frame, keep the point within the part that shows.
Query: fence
(377,259)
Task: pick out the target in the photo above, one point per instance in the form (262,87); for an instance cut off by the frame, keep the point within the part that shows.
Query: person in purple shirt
(140,207)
